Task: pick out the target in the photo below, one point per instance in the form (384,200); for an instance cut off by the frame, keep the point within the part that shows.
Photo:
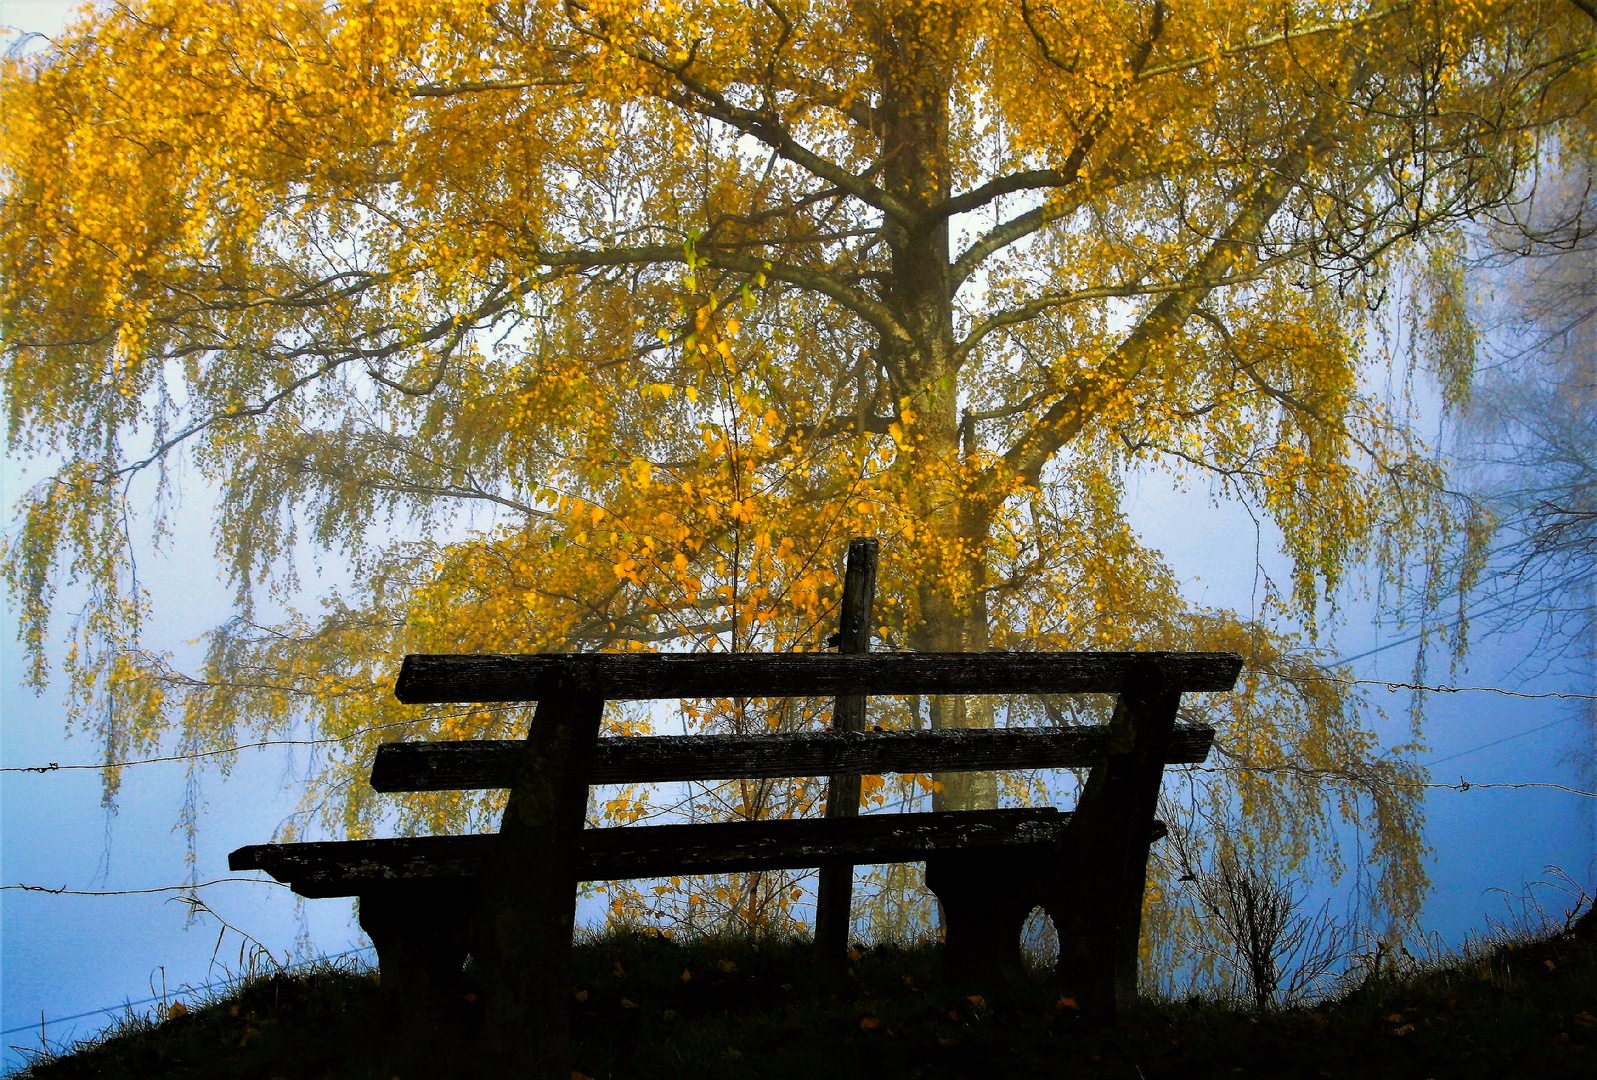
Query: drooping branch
(1065,419)
(699,97)
(1024,313)
(1025,224)
(1285,37)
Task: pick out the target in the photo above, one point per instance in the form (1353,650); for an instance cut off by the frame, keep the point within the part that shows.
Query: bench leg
(1096,897)
(529,895)
(986,897)
(422,933)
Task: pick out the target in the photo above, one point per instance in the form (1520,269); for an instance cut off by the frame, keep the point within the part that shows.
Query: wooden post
(1096,901)
(834,895)
(985,897)
(421,930)
(530,894)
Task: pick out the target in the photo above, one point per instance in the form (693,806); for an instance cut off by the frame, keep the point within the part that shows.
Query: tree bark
(915,74)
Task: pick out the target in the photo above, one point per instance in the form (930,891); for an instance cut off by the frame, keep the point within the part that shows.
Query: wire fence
(181,991)
(187,887)
(1463,785)
(198,755)
(55,766)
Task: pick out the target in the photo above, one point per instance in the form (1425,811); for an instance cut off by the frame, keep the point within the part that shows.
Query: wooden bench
(508,899)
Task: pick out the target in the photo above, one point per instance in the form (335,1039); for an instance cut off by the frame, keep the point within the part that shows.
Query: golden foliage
(603,324)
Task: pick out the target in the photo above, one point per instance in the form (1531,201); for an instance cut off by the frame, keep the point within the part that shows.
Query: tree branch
(1277,39)
(878,315)
(1065,419)
(1034,179)
(699,97)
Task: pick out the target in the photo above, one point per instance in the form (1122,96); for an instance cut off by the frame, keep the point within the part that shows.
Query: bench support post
(985,896)
(422,933)
(529,894)
(1096,899)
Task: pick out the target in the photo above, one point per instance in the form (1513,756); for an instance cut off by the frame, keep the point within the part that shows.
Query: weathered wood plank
(425,678)
(461,766)
(351,867)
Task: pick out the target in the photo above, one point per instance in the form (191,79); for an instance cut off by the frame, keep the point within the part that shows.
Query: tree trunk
(915,76)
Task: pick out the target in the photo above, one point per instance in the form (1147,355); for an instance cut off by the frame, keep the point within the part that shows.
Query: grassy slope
(746,1010)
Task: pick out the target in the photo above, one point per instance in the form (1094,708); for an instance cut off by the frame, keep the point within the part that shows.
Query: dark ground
(650,1007)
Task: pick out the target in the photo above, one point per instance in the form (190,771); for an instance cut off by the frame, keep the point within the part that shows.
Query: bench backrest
(443,766)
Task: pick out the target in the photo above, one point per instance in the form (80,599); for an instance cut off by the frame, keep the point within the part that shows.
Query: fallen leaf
(581,995)
(1586,1019)
(854,954)
(575,1075)
(625,1004)
(977,1002)
(176,1010)
(1067,1003)
(1404,1030)
(473,997)
(686,975)
(1550,965)
(728,966)
(1395,1018)
(869,1022)
(733,1052)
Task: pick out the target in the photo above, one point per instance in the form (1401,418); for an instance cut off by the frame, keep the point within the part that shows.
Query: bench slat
(436,678)
(351,867)
(485,763)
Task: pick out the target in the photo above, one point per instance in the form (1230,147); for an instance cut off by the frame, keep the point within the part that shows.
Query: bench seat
(359,867)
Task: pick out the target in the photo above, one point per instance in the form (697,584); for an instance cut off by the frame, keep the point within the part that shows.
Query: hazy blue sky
(61,955)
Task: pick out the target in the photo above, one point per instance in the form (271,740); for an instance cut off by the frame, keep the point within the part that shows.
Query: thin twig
(64,891)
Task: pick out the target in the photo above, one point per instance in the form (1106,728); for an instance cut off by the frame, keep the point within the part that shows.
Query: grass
(645,1006)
